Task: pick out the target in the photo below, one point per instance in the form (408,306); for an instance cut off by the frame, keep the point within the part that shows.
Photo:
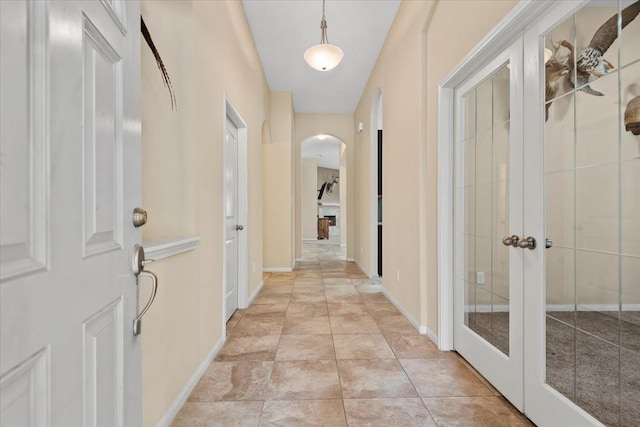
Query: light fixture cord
(324,39)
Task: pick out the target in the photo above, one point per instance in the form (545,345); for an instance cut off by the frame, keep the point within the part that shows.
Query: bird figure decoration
(590,61)
(554,71)
(581,76)
(331,184)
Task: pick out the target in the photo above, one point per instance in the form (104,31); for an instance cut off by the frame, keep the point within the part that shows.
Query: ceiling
(325,149)
(284,29)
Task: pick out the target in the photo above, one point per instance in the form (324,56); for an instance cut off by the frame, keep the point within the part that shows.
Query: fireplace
(331,218)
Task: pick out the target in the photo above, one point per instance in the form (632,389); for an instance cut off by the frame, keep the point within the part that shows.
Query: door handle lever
(511,240)
(138,265)
(528,243)
(137,322)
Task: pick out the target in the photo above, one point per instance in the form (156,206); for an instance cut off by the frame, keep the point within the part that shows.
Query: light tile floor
(323,346)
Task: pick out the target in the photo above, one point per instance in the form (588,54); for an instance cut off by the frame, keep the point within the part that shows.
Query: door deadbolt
(139,217)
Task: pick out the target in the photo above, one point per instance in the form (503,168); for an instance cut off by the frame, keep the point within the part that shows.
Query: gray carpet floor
(593,358)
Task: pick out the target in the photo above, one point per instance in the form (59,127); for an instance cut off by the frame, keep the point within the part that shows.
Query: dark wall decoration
(165,76)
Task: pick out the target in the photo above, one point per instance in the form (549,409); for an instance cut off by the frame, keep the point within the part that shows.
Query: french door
(489,198)
(547,226)
(582,294)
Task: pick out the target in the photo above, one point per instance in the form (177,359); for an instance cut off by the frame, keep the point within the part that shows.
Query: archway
(323,180)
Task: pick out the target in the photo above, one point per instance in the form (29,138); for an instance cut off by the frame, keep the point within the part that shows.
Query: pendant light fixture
(323,56)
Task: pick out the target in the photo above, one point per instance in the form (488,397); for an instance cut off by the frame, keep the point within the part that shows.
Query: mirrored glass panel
(592,207)
(486,209)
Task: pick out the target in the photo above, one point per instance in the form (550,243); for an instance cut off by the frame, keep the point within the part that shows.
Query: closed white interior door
(488,198)
(231,218)
(70,177)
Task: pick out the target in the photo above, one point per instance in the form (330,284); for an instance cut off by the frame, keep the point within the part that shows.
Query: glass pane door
(583,326)
(488,198)
(486,209)
(592,210)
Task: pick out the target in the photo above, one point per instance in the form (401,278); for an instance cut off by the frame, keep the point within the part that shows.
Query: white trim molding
(425,330)
(554,308)
(182,397)
(254,294)
(277,270)
(404,312)
(368,274)
(165,248)
(592,307)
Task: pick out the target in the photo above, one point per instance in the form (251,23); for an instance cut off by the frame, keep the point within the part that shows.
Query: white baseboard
(503,308)
(593,307)
(310,240)
(255,293)
(402,310)
(277,270)
(343,245)
(299,260)
(362,269)
(425,330)
(351,260)
(182,397)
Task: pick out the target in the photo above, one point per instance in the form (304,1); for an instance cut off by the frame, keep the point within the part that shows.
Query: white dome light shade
(323,57)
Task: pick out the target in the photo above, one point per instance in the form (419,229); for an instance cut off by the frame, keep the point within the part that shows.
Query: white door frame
(377,110)
(230,112)
(500,37)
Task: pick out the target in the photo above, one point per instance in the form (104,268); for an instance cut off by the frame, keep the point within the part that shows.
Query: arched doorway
(323,177)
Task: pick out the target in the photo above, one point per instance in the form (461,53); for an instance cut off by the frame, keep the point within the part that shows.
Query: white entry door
(70,178)
(231,218)
(488,194)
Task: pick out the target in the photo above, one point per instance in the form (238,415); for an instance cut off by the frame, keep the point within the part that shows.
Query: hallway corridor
(323,346)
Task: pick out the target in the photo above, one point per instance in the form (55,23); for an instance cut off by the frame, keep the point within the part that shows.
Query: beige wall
(340,126)
(278,186)
(209,51)
(309,188)
(426,40)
